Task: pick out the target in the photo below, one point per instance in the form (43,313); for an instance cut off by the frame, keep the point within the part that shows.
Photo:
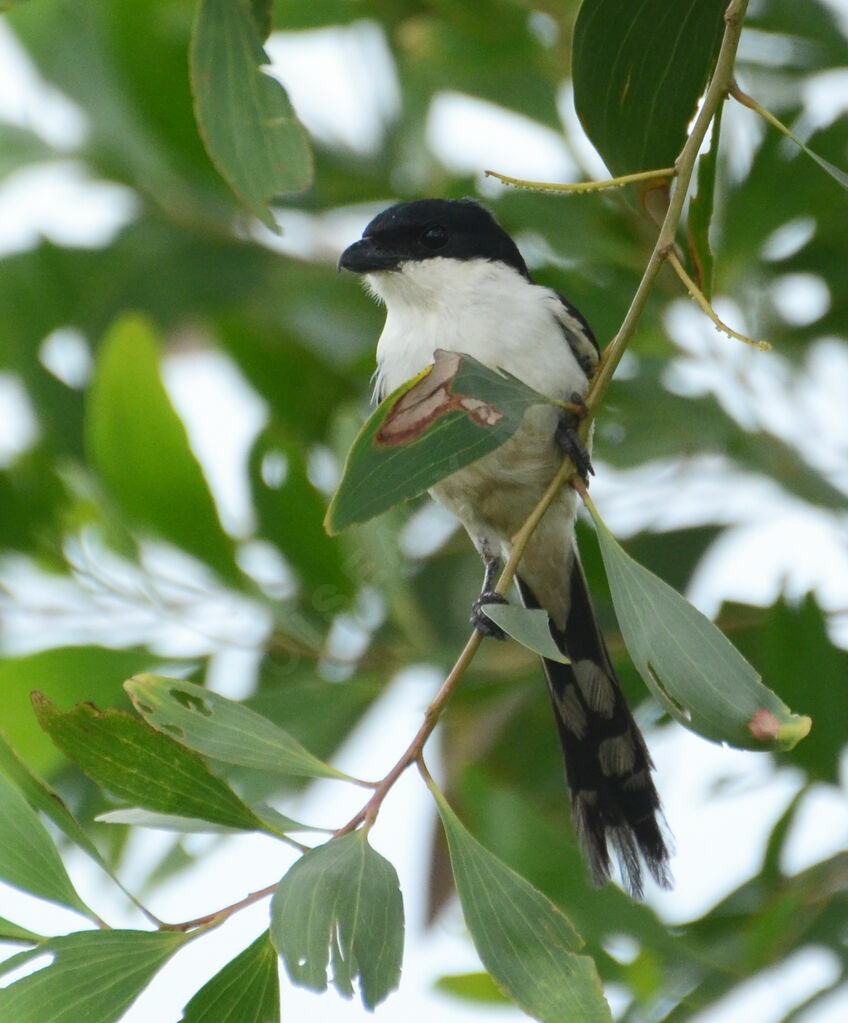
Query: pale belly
(494,496)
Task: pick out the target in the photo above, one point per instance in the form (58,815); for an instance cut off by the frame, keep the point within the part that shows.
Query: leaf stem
(748,101)
(767,115)
(699,297)
(220,915)
(581,187)
(368,814)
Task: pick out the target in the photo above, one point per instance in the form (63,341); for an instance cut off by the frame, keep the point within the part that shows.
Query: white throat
(481,308)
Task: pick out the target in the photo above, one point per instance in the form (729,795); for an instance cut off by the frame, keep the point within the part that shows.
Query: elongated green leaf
(835,172)
(247,990)
(28,857)
(41,796)
(221,728)
(139,446)
(18,935)
(523,939)
(472,987)
(450,415)
(66,674)
(139,818)
(689,665)
(278,823)
(639,70)
(95,976)
(137,763)
(527,626)
(340,905)
(245,118)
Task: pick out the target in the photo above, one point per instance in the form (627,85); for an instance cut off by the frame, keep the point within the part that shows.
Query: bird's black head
(427,229)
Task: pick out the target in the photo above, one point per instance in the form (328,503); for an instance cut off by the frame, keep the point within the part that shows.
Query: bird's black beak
(365,256)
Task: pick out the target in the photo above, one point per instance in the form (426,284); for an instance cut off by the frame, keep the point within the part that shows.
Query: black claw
(480,620)
(569,440)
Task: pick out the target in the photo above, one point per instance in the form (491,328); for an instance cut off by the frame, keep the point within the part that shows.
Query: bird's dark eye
(434,237)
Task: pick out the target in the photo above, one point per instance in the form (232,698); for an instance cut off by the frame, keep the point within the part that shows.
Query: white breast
(484,309)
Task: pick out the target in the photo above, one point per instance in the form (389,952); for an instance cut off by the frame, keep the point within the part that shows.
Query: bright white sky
(718,833)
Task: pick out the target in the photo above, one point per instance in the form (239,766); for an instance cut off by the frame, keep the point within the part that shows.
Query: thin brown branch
(220,915)
(368,814)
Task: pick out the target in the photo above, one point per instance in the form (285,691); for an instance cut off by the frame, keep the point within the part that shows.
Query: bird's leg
(481,622)
(569,440)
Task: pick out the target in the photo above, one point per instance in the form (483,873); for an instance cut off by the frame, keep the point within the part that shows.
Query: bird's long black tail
(615,804)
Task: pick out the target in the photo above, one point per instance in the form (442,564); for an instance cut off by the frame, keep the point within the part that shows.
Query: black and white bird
(451,278)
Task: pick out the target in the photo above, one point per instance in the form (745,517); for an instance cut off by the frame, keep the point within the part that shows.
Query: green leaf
(29,858)
(139,446)
(529,627)
(18,960)
(41,796)
(295,15)
(244,115)
(689,665)
(222,729)
(18,935)
(136,817)
(448,416)
(340,904)
(95,976)
(522,938)
(639,70)
(278,823)
(835,172)
(471,987)
(66,675)
(247,990)
(838,175)
(645,418)
(130,759)
(263,15)
(701,212)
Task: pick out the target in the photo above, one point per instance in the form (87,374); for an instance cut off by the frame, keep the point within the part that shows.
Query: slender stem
(699,297)
(566,471)
(580,187)
(220,915)
(752,104)
(368,814)
(422,770)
